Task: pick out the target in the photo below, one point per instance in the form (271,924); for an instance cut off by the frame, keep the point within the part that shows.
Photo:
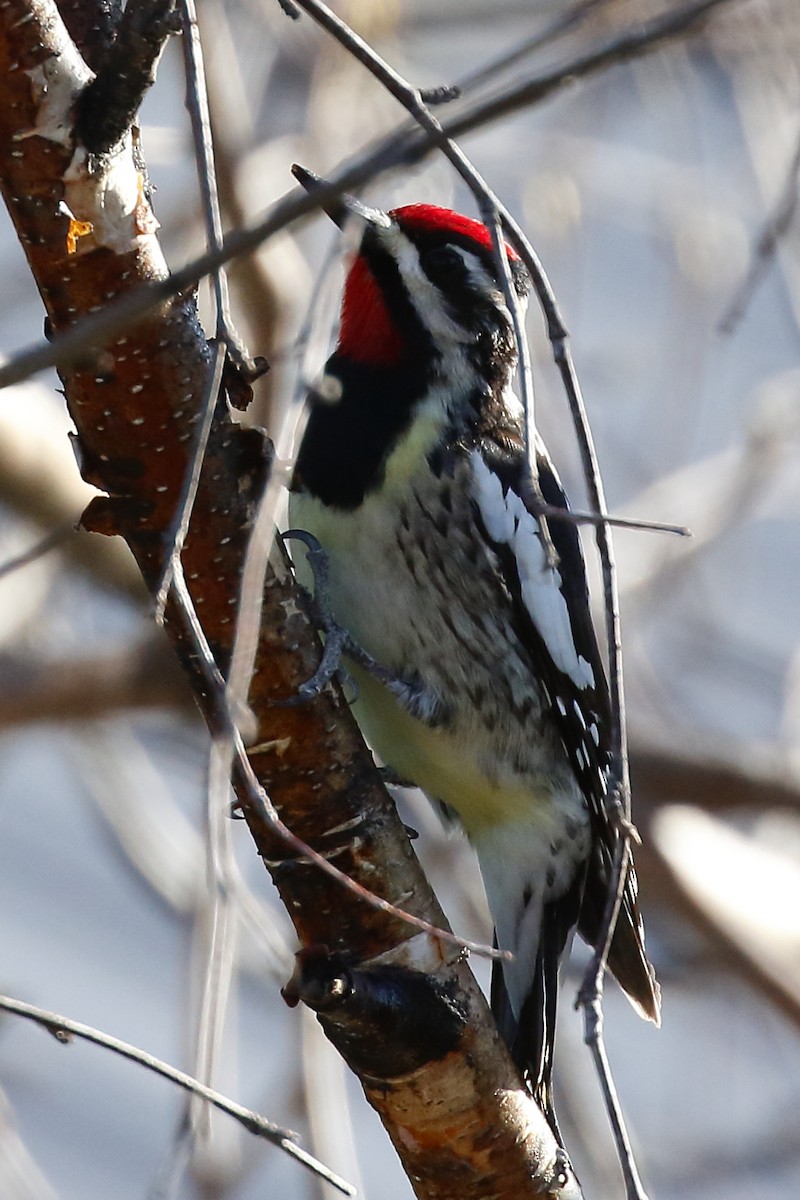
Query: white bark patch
(425,295)
(56,84)
(109,196)
(106,204)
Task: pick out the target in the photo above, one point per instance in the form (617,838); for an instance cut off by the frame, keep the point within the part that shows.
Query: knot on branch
(115,515)
(385,1020)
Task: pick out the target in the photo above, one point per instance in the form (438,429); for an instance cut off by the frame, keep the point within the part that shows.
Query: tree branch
(403,147)
(108,105)
(462,1123)
(89,688)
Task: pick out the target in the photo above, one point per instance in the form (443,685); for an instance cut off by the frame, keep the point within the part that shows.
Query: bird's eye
(443,264)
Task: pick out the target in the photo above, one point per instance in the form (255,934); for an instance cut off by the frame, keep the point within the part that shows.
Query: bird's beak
(344,208)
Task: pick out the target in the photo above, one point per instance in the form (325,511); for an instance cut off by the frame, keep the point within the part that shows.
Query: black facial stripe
(346,445)
(343,454)
(387,275)
(428,240)
(470,301)
(344,451)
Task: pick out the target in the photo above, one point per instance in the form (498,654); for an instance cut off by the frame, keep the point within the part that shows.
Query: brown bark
(444,1086)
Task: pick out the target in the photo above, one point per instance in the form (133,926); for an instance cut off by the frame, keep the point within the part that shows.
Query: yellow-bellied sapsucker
(417,484)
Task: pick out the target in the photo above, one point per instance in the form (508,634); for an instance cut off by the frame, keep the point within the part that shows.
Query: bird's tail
(530,1033)
(537,933)
(627,956)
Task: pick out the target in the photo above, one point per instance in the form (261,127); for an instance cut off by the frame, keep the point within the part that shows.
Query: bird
(415,477)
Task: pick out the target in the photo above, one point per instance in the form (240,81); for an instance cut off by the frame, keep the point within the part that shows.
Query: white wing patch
(508,521)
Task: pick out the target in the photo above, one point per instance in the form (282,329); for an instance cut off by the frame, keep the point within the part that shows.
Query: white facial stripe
(507,520)
(425,295)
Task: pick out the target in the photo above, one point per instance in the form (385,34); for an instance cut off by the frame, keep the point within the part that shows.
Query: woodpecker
(414,477)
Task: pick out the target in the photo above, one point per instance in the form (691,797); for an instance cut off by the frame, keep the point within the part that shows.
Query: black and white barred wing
(553,622)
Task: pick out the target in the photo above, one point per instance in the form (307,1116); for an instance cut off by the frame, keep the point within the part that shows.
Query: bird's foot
(338,640)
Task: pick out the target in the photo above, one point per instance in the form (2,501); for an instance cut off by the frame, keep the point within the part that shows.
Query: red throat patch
(367,333)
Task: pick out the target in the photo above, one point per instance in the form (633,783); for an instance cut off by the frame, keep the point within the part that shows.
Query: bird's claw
(338,641)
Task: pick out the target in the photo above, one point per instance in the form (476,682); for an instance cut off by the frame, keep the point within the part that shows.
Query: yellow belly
(447,767)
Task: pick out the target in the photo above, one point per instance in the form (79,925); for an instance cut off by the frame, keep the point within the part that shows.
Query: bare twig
(559,25)
(404,146)
(642,38)
(262,536)
(197,104)
(217,928)
(64,1029)
(745,778)
(180,526)
(766,244)
(215,944)
(593,1036)
(577,517)
(619,793)
(86,689)
(49,542)
(262,293)
(732,776)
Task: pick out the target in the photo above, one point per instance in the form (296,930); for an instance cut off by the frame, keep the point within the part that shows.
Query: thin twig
(49,542)
(403,146)
(176,534)
(64,1029)
(214,935)
(619,783)
(593,1036)
(561,24)
(641,38)
(87,689)
(197,104)
(219,965)
(619,793)
(577,516)
(766,244)
(287,440)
